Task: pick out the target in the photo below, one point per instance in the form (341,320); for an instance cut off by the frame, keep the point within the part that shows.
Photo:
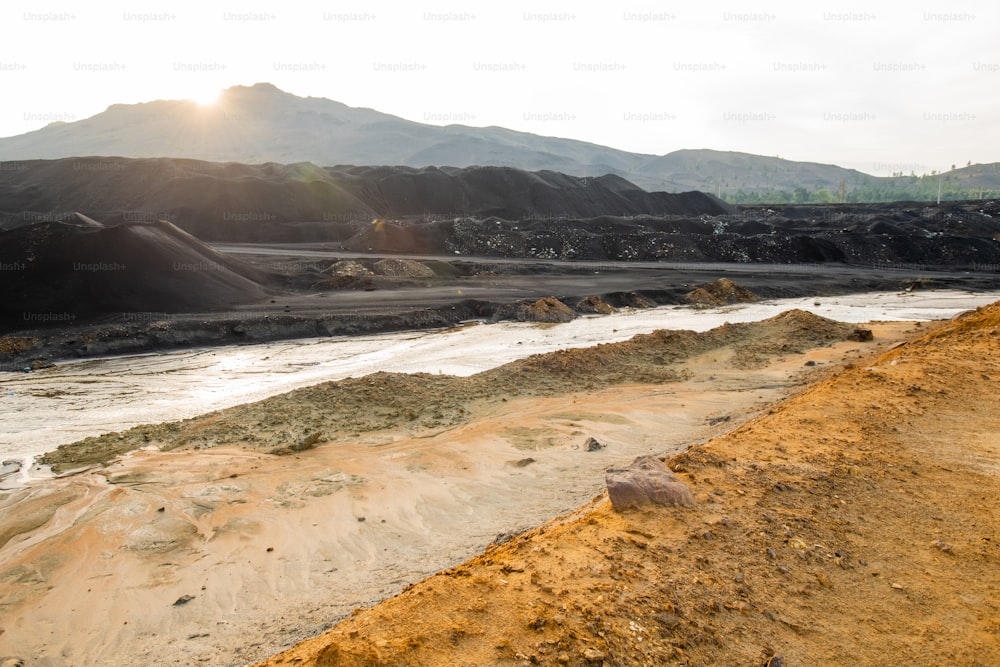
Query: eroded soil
(857,522)
(210,548)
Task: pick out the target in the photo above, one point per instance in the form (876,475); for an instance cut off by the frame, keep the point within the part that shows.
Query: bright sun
(206,98)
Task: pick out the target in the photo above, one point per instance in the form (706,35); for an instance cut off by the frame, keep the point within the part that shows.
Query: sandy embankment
(413,474)
(857,522)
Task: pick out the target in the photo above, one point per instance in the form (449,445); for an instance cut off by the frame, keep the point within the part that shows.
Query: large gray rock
(647,480)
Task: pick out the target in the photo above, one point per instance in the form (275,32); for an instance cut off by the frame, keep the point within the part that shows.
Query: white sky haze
(879,87)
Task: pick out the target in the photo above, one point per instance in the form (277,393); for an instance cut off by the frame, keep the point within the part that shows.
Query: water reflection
(41,410)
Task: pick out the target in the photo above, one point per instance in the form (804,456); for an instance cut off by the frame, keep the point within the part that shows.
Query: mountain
(261,123)
(718,171)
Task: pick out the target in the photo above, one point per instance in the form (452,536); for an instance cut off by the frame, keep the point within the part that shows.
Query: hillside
(729,172)
(260,123)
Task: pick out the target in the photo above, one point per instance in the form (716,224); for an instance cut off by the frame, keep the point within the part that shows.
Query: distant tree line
(900,188)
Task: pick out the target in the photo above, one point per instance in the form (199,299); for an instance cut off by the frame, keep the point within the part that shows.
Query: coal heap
(240,202)
(76,267)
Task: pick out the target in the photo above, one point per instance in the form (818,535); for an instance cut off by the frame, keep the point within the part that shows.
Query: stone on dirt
(861,335)
(300,446)
(647,480)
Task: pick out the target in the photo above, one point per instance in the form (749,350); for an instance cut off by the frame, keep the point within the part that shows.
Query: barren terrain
(231,536)
(854,520)
(114,256)
(857,522)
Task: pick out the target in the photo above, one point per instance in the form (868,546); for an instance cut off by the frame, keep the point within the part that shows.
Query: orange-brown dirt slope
(856,523)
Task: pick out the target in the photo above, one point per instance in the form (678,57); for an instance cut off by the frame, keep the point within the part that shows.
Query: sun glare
(206,98)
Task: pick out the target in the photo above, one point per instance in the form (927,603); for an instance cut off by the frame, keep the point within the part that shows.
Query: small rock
(184,599)
(307,443)
(592,445)
(667,620)
(507,536)
(592,655)
(943,546)
(861,335)
(647,480)
(303,445)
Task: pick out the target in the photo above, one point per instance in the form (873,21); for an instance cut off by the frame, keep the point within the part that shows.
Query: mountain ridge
(261,123)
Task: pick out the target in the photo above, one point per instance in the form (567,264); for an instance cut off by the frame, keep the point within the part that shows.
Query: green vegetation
(950,186)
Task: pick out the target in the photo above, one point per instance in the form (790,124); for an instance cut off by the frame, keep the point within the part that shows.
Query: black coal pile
(57,272)
(304,202)
(952,235)
(490,211)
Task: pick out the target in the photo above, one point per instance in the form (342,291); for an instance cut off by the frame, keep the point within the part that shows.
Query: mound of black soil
(490,211)
(58,272)
(239,202)
(953,235)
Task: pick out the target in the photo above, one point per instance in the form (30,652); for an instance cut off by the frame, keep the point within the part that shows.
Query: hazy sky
(881,87)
